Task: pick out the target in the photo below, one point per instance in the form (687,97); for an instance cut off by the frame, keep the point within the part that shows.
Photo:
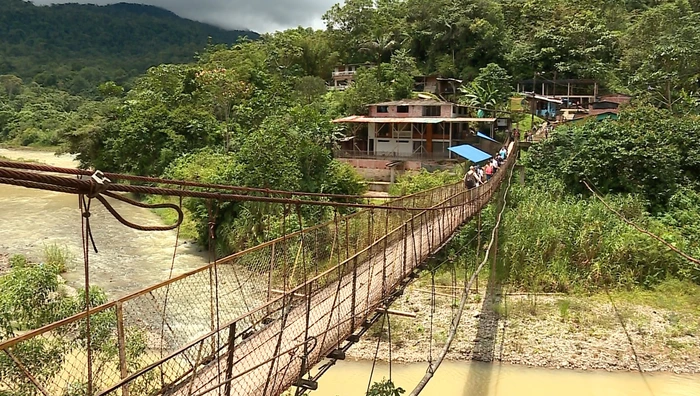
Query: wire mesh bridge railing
(252,323)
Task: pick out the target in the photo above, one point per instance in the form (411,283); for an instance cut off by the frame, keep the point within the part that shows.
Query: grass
(20,159)
(57,257)
(31,147)
(564,305)
(672,294)
(188,229)
(526,125)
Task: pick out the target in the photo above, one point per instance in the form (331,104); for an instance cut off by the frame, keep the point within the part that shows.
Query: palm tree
(478,96)
(379,46)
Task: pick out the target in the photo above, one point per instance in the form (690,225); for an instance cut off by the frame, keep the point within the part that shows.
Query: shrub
(57,257)
(413,182)
(556,242)
(385,388)
(18,261)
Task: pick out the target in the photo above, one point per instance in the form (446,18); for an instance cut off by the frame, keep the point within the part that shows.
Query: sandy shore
(552,331)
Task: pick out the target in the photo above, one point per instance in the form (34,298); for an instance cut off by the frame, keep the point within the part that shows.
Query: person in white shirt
(481,177)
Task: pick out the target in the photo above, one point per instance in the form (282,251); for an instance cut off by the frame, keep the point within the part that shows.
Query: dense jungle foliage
(262,111)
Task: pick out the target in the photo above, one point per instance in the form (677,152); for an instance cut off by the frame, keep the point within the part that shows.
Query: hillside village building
(569,99)
(412,128)
(344,75)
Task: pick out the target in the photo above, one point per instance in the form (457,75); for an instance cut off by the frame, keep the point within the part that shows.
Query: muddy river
(484,379)
(128,260)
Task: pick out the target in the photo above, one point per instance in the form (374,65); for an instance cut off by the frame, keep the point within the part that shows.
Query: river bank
(633,331)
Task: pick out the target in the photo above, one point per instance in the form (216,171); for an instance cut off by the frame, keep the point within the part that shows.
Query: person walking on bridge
(488,170)
(503,153)
(470,178)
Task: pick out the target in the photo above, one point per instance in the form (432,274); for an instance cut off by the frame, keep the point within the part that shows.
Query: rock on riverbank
(554,331)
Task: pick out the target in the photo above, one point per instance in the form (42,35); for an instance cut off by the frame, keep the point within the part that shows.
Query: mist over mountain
(76,46)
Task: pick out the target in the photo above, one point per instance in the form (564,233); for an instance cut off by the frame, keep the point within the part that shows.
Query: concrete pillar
(429,138)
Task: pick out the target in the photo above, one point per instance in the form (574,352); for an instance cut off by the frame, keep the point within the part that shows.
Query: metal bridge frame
(330,279)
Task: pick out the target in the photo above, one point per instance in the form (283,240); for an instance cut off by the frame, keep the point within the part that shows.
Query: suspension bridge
(253,323)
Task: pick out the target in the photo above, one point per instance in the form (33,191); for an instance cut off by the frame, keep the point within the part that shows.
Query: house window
(402,109)
(382,130)
(402,130)
(382,109)
(431,111)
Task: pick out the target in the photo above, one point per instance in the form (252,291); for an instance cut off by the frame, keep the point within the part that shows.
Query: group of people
(478,175)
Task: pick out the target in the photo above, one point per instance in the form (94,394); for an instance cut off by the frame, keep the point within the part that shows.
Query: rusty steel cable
(88,187)
(640,229)
(182,183)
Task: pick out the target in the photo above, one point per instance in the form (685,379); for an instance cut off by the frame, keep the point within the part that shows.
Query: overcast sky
(259,15)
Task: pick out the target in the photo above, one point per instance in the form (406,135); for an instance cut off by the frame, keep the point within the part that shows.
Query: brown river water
(130,260)
(485,379)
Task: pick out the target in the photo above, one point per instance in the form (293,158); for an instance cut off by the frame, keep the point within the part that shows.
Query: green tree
(636,154)
(110,89)
(366,88)
(498,78)
(310,88)
(661,54)
(11,84)
(225,89)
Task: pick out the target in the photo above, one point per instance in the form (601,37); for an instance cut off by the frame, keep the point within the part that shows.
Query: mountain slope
(69,45)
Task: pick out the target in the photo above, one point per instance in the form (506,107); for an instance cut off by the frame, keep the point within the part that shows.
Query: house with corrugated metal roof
(419,129)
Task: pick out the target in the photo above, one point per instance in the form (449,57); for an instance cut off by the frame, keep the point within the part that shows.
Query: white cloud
(259,15)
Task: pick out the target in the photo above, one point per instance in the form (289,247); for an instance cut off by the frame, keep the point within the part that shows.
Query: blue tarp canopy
(471,153)
(481,135)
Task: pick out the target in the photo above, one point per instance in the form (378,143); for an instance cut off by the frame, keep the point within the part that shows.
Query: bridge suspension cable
(640,229)
(432,368)
(98,185)
(167,181)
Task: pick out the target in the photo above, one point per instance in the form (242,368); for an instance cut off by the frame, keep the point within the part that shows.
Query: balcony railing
(344,73)
(360,154)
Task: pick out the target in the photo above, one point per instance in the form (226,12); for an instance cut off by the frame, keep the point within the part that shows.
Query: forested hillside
(75,47)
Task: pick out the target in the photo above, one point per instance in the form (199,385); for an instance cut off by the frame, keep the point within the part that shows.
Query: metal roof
(471,153)
(366,119)
(415,120)
(412,102)
(481,135)
(544,98)
(468,119)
